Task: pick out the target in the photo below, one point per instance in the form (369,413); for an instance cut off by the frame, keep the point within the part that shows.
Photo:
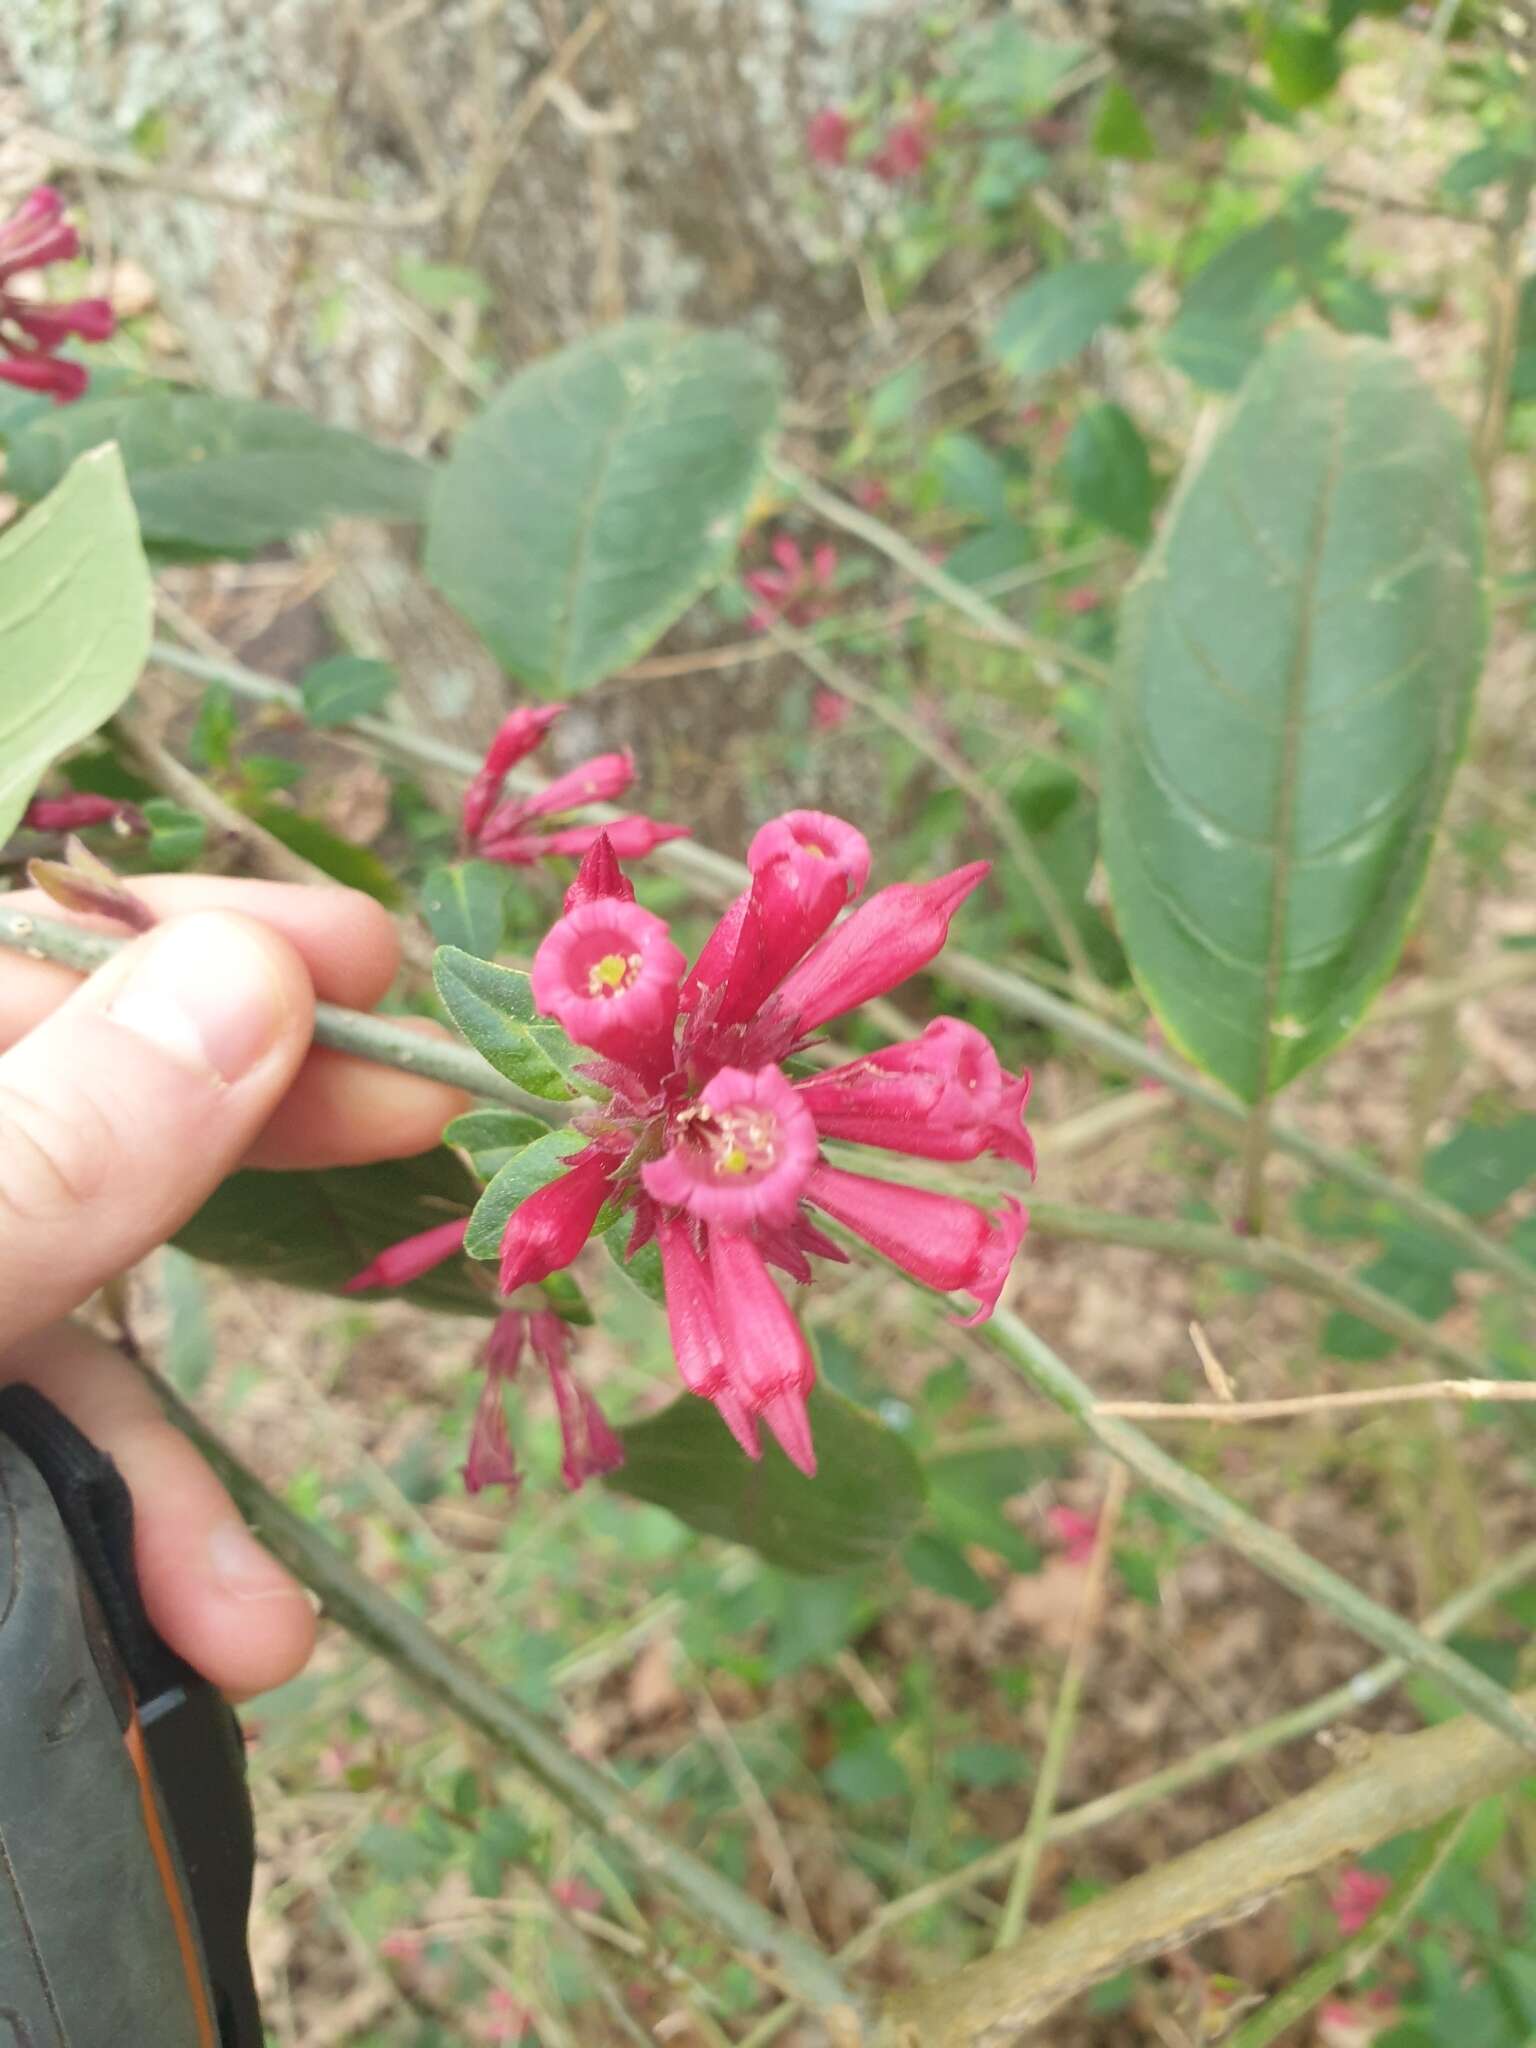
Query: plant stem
(1256,1137)
(1271,1552)
(1279,2014)
(454,1681)
(1300,1405)
(1058,1738)
(1264,1255)
(1405,1782)
(354,1031)
(1051,656)
(1297,1722)
(718,879)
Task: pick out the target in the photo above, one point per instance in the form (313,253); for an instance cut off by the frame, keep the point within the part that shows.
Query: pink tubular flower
(576,1895)
(501,831)
(741,1156)
(907,146)
(610,973)
(886,939)
(399,1264)
(1075,1533)
(545,1232)
(829,711)
(1356,1897)
(598,876)
(31,330)
(794,590)
(77,813)
(1082,598)
(827,135)
(948,1244)
(713,1151)
(941,1096)
(590,1446)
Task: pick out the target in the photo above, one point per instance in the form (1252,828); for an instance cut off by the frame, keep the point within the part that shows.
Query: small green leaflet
(344,687)
(493,1007)
(490,1137)
(523,1175)
(1056,315)
(1108,472)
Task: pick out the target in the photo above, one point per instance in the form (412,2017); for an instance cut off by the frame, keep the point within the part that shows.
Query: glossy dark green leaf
(862,1505)
(344,687)
(493,1007)
(1108,472)
(1297,664)
(315,1230)
(534,1167)
(598,494)
(1056,315)
(490,1137)
(222,474)
(466,906)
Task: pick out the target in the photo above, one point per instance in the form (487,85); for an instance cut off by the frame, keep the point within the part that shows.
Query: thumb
(123,1111)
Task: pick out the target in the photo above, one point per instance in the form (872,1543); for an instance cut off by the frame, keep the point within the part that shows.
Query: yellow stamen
(612,973)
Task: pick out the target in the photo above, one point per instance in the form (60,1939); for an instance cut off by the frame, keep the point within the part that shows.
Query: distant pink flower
(870,493)
(576,1895)
(794,590)
(590,1447)
(1082,598)
(402,1945)
(505,2020)
(399,1264)
(907,146)
(714,1152)
(1075,1533)
(1356,1896)
(78,813)
(33,330)
(504,831)
(1031,415)
(1357,2022)
(829,711)
(827,136)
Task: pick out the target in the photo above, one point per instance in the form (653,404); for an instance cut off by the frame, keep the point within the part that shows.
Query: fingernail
(203,990)
(243,1569)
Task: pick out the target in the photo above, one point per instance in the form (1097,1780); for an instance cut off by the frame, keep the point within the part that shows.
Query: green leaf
(466,906)
(598,494)
(863,1503)
(1232,299)
(1120,128)
(1055,316)
(315,1230)
(867,1773)
(491,1137)
(943,1567)
(222,474)
(1408,1273)
(344,687)
(493,1007)
(1296,669)
(534,1167)
(644,1269)
(988,1765)
(1108,472)
(74,623)
(177,836)
(342,859)
(1304,63)
(1482,1165)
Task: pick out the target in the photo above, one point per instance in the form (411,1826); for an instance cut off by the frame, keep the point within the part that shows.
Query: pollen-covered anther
(613,973)
(742,1154)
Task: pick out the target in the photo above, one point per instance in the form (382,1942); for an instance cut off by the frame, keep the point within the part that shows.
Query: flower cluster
(31,330)
(714,1150)
(1356,1897)
(794,589)
(899,154)
(590,1446)
(513,830)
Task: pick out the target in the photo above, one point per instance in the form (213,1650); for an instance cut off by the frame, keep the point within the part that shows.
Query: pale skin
(124,1100)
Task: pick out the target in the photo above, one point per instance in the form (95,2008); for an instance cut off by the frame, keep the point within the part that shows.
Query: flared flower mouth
(813,835)
(609,972)
(741,1154)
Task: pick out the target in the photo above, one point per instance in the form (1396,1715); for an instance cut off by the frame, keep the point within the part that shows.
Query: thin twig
(1058,1737)
(1274,1554)
(717,878)
(309,207)
(263,853)
(781,1864)
(1050,656)
(1290,1406)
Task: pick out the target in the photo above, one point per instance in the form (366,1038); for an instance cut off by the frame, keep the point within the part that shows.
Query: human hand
(124,1100)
